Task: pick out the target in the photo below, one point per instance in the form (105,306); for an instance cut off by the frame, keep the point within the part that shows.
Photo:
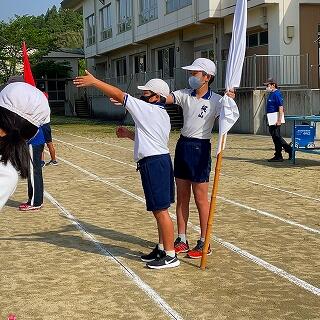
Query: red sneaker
(180,246)
(28,207)
(196,252)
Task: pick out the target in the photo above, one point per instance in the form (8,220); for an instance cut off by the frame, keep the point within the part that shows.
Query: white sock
(183,237)
(171,254)
(160,246)
(202,239)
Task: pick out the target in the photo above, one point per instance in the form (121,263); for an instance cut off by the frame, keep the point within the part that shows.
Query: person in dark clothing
(275,115)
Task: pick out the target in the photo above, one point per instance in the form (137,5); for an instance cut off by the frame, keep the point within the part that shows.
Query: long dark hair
(13,146)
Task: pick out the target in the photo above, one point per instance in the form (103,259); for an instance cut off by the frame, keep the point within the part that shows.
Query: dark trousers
(278,141)
(35,180)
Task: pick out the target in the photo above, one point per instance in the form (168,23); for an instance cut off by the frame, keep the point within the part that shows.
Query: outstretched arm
(90,81)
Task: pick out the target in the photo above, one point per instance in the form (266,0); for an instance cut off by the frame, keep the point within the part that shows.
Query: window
(148,11)
(124,15)
(253,40)
(173,5)
(166,62)
(121,70)
(91,30)
(263,38)
(140,63)
(257,39)
(105,21)
(209,54)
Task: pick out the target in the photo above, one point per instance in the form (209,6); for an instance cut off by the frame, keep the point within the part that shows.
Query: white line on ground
(271,187)
(98,141)
(75,180)
(293,279)
(250,181)
(270,215)
(95,153)
(128,272)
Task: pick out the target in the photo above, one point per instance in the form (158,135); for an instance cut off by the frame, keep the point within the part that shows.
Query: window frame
(90,38)
(106,33)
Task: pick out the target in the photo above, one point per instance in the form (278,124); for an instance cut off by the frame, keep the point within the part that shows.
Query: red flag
(27,73)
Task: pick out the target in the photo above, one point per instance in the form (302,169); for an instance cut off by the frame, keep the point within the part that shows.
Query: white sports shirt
(198,114)
(152,128)
(8,182)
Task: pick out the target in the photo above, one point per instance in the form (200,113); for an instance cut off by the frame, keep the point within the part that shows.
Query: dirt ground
(78,257)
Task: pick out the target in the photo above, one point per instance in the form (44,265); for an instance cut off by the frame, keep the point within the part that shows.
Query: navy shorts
(157,181)
(47,132)
(192,159)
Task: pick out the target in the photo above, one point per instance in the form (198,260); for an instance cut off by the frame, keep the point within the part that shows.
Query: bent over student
(23,108)
(151,136)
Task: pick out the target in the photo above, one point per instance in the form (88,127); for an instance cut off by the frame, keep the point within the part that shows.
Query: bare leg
(200,191)
(52,150)
(183,199)
(165,227)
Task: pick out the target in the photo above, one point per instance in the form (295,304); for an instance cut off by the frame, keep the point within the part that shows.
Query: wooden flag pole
(213,204)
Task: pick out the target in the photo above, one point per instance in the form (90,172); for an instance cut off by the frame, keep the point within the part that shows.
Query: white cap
(157,86)
(202,64)
(27,101)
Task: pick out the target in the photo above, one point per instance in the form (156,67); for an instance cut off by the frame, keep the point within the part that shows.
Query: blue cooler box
(304,135)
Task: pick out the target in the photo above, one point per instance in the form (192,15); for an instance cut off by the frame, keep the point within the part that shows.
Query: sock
(202,239)
(171,254)
(160,246)
(183,237)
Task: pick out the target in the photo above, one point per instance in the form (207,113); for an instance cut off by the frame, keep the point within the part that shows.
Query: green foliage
(44,33)
(50,69)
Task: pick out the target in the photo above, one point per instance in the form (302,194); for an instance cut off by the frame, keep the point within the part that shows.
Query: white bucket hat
(202,64)
(26,101)
(157,86)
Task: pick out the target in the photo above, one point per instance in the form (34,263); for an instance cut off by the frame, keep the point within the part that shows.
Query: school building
(128,42)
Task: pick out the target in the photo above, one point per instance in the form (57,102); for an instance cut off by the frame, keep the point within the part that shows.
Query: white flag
(229,112)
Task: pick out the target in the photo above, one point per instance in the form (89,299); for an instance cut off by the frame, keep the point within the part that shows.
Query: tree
(55,29)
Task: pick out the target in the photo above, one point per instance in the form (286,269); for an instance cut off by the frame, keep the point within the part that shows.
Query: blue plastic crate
(304,136)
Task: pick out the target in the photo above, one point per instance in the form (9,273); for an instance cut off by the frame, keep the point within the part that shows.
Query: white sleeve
(179,96)
(136,107)
(8,182)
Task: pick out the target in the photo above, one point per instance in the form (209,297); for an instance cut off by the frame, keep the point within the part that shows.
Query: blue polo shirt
(274,101)
(38,139)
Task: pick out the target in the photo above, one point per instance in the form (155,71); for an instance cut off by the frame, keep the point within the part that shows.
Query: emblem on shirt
(203,111)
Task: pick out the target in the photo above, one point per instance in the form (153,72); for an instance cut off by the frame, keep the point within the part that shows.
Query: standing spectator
(46,128)
(48,140)
(274,105)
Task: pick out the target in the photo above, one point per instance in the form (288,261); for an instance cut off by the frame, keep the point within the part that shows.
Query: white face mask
(268,89)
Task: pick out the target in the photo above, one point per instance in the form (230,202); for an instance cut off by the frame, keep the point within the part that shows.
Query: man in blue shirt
(275,106)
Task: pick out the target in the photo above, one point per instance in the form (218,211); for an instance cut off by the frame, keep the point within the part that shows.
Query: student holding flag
(192,162)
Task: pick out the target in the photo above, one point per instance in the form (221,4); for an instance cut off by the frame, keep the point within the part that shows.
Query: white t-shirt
(198,114)
(8,182)
(152,128)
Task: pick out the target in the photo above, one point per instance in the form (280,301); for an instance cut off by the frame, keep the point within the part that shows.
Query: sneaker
(23,205)
(180,247)
(156,253)
(164,262)
(196,252)
(275,159)
(53,162)
(29,207)
(43,163)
